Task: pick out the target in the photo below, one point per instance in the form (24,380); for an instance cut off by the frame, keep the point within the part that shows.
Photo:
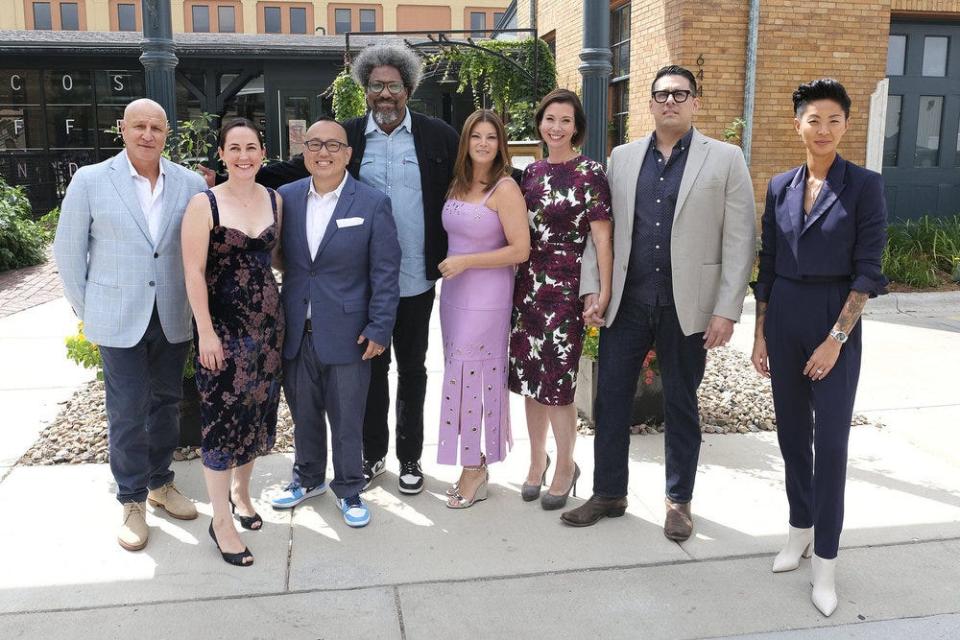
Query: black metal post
(158,59)
(595,68)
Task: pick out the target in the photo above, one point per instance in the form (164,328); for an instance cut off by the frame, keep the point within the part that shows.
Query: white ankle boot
(824,594)
(799,543)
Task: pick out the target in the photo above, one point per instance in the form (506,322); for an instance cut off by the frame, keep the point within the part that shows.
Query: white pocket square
(348,222)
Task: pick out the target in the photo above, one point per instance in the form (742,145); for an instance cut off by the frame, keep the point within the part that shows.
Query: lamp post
(158,59)
(595,68)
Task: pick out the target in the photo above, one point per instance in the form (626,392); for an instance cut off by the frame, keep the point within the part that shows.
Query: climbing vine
(512,92)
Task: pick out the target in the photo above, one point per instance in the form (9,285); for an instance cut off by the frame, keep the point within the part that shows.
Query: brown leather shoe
(134,531)
(593,510)
(172,501)
(679,524)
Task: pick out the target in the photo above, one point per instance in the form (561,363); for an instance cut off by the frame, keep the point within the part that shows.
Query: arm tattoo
(761,316)
(852,309)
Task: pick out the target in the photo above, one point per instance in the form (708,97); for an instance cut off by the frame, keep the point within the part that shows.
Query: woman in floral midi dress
(568,203)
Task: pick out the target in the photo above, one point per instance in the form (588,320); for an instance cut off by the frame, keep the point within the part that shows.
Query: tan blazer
(713,242)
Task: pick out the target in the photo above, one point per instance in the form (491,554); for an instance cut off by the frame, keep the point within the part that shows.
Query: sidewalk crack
(399,607)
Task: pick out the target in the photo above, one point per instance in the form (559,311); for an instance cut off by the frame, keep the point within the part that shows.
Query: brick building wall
(845,40)
(561,21)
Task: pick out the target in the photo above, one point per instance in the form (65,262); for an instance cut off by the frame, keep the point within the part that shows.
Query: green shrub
(21,241)
(48,224)
(921,253)
(87,354)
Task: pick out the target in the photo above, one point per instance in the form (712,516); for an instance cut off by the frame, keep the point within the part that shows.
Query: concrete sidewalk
(504,568)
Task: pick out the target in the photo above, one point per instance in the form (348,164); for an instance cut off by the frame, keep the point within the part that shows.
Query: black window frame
(204,8)
(277,13)
(373,25)
(233,10)
(133,16)
(75,18)
(302,10)
(337,22)
(49,16)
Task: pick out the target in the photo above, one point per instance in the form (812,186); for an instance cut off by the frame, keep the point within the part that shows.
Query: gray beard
(385,117)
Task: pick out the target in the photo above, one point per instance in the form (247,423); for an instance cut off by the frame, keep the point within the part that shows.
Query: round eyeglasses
(680,95)
(333,146)
(376,86)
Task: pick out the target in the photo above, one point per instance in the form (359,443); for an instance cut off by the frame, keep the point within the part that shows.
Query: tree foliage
(504,81)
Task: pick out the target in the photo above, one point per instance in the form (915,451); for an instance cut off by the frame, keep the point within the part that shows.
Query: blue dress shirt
(390,165)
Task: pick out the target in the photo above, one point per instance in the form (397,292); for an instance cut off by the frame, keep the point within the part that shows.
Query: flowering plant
(591,347)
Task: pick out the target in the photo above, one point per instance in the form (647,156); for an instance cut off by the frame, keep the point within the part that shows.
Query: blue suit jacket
(843,236)
(352,284)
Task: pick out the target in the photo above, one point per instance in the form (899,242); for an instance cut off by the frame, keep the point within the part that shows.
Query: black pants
(410,336)
(812,416)
(637,328)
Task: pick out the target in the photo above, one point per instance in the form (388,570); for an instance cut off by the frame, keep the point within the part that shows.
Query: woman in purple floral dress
(230,239)
(568,203)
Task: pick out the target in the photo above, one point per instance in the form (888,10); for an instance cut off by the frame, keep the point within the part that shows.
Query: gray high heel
(549,502)
(530,492)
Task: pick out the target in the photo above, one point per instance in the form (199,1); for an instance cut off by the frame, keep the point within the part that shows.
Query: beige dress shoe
(172,501)
(134,532)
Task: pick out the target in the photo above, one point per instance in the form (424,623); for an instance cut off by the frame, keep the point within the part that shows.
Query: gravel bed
(733,399)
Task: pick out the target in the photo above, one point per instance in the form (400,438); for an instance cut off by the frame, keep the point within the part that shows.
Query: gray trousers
(315,391)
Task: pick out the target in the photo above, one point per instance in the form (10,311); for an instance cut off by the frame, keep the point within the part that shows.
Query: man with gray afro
(410,157)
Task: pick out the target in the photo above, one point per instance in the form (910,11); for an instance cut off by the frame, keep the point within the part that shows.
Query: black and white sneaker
(371,469)
(411,477)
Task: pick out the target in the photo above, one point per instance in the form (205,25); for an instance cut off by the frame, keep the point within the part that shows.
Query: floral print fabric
(238,404)
(547,325)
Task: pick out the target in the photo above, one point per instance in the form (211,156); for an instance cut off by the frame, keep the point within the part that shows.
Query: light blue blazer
(113,273)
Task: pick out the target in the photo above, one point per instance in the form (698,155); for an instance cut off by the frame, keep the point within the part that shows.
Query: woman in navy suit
(823,232)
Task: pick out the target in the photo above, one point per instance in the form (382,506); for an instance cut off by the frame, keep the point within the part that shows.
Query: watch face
(840,336)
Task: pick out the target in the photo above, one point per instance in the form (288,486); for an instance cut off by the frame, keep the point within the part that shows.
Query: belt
(308,326)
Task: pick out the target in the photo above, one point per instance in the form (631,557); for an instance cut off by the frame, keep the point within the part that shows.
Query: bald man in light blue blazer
(118,252)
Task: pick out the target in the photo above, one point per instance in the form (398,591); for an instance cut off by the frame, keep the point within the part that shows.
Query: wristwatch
(839,336)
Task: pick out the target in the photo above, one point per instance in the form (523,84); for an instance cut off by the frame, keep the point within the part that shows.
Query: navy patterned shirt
(649,274)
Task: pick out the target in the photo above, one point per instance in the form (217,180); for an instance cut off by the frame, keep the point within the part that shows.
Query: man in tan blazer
(684,242)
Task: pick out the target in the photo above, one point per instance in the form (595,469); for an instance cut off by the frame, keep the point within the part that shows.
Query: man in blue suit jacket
(340,294)
(118,253)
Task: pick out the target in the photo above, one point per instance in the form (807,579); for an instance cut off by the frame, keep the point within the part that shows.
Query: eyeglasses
(333,146)
(680,95)
(376,86)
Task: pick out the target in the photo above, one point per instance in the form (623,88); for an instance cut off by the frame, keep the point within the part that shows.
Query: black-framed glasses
(680,95)
(333,146)
(376,86)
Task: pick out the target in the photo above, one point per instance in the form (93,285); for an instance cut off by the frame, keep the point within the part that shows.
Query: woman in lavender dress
(485,219)
(569,203)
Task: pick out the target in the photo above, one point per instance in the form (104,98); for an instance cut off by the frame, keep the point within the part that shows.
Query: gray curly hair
(398,56)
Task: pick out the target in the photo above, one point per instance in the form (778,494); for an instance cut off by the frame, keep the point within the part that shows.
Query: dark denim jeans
(144,386)
(410,336)
(623,346)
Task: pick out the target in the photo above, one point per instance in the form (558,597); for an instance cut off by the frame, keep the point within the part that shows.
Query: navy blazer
(843,237)
(353,284)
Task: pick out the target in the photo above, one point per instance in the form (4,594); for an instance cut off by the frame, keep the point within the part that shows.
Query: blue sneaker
(355,512)
(294,494)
